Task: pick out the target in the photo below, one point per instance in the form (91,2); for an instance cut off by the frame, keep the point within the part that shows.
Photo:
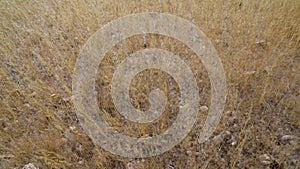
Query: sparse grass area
(258,42)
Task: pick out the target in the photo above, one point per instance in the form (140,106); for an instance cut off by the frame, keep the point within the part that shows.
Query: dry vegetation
(257,40)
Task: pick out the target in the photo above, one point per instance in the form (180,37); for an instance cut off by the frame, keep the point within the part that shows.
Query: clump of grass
(258,42)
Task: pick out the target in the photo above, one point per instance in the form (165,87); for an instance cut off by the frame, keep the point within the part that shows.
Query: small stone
(129,165)
(32,94)
(30,166)
(189,152)
(288,138)
(65,99)
(81,162)
(223,136)
(260,41)
(27,105)
(218,139)
(266,159)
(203,108)
(79,147)
(72,128)
(249,72)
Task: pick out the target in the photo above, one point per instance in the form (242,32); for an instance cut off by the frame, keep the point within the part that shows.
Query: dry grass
(258,42)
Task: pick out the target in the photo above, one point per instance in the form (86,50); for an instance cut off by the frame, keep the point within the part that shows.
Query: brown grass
(258,42)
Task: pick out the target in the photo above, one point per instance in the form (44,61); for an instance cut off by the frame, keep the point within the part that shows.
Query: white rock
(30,166)
(288,138)
(265,159)
(203,108)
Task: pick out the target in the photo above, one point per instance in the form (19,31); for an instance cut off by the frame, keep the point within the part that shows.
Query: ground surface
(257,41)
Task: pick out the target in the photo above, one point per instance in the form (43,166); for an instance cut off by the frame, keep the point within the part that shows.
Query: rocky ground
(257,41)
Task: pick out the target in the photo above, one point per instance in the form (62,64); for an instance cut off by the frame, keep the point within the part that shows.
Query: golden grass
(258,42)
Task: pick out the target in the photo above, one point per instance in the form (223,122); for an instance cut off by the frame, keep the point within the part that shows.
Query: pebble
(266,159)
(81,162)
(249,72)
(203,108)
(32,94)
(30,166)
(233,143)
(129,165)
(288,138)
(72,128)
